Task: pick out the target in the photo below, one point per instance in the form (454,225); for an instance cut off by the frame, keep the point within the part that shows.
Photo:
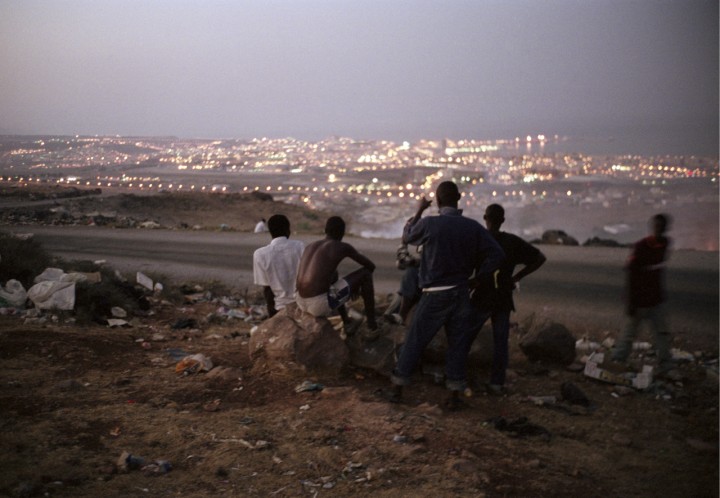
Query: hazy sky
(359,68)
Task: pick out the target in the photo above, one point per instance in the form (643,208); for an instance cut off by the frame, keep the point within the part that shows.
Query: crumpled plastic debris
(53,295)
(194,364)
(14,294)
(308,385)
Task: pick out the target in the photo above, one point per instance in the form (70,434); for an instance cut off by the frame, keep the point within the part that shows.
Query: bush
(21,259)
(94,301)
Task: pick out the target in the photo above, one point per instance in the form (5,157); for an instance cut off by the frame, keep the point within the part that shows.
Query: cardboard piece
(640,380)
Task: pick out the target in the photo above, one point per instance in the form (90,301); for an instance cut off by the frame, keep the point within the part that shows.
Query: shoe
(369,335)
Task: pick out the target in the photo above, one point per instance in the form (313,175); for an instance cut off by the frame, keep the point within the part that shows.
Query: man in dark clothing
(645,293)
(493,298)
(454,247)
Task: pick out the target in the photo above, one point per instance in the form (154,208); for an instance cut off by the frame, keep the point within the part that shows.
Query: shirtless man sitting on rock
(320,291)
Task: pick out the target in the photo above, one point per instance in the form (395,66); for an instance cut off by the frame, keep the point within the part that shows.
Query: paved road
(578,285)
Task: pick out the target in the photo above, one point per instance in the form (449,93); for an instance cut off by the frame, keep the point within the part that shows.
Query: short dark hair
(279,225)
(335,227)
(495,213)
(447,194)
(660,222)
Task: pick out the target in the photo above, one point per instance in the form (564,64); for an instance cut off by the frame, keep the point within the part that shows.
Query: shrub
(21,259)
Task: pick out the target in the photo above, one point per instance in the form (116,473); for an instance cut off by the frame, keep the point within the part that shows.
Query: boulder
(293,340)
(380,354)
(481,352)
(549,342)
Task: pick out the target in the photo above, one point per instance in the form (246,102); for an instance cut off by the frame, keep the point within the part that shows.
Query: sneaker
(368,334)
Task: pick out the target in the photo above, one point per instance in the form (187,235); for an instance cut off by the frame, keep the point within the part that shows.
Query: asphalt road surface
(580,286)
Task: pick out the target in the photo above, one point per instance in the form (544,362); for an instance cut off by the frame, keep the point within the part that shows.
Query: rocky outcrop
(296,341)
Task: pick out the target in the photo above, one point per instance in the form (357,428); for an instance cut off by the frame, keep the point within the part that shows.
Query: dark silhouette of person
(454,247)
(645,294)
(320,290)
(494,296)
(410,292)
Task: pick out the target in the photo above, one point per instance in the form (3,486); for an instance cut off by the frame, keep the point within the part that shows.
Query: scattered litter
(308,386)
(158,467)
(543,400)
(680,355)
(128,462)
(184,323)
(118,312)
(193,364)
(50,294)
(304,408)
(586,346)
(13,294)
(520,427)
(640,380)
(117,322)
(144,280)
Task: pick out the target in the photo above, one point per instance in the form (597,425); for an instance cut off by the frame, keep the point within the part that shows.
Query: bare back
(318,265)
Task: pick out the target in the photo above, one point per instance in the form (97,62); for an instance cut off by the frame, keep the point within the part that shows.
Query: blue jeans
(501,330)
(450,308)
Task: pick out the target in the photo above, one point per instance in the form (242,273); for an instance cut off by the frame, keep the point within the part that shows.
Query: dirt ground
(73,399)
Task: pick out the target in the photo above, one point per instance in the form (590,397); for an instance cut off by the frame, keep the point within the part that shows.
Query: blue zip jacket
(453,247)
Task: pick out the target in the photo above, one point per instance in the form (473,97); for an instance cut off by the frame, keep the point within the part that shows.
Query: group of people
(464,276)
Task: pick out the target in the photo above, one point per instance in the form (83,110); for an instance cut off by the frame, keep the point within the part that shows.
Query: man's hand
(423,204)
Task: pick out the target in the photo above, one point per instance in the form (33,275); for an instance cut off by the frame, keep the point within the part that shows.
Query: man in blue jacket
(454,248)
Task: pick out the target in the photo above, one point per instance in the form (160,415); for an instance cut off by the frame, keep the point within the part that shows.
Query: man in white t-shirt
(275,265)
(261,227)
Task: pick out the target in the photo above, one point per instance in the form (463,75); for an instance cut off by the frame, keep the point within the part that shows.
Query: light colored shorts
(325,304)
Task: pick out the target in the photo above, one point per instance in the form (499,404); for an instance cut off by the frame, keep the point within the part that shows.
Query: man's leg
(501,329)
(661,336)
(623,347)
(460,331)
(430,315)
(361,282)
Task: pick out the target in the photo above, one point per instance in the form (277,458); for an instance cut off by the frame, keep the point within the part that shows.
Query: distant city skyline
(400,70)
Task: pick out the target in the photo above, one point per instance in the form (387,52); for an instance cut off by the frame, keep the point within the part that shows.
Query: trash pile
(105,297)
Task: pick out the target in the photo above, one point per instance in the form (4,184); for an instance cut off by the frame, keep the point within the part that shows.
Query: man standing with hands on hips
(454,248)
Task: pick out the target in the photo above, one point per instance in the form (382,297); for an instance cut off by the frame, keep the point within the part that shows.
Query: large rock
(548,342)
(481,352)
(293,340)
(380,354)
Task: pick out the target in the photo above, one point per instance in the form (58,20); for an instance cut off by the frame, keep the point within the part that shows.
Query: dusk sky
(364,69)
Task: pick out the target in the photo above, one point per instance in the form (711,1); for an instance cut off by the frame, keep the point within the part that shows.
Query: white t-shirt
(260,227)
(276,266)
